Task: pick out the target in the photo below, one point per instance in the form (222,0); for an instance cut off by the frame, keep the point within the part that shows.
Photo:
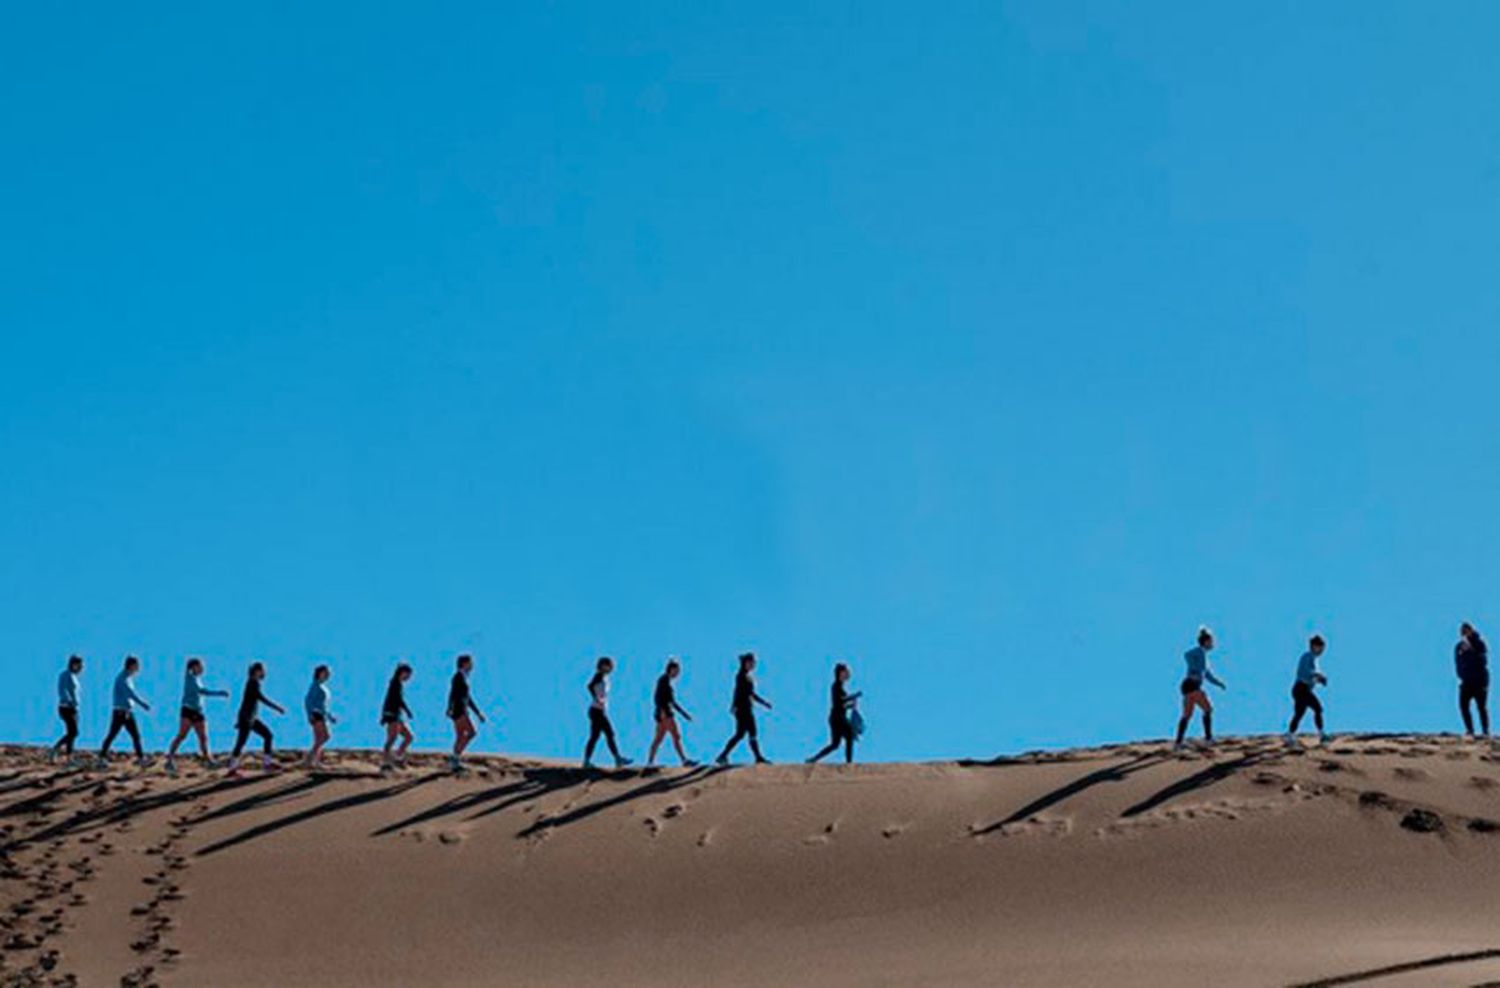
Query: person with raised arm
(67,707)
(1471,659)
(122,713)
(192,718)
(1191,688)
(839,726)
(743,708)
(666,713)
(394,713)
(248,721)
(460,705)
(315,706)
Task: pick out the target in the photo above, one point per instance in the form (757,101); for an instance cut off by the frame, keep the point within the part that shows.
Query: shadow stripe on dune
(1404,968)
(313,812)
(1114,773)
(262,799)
(125,809)
(1215,773)
(656,788)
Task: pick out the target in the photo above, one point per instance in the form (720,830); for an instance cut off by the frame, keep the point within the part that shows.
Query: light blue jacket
(316,701)
(67,689)
(1197,667)
(126,698)
(193,692)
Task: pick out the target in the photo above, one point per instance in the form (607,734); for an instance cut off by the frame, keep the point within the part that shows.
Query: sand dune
(1372,860)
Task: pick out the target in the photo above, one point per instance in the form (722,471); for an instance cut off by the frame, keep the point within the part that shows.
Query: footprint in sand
(1483,782)
(893,830)
(1409,774)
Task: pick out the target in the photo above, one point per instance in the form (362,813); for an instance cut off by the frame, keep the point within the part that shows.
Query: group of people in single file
(844,721)
(846,725)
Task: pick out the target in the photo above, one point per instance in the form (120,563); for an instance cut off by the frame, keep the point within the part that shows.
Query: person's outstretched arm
(475,707)
(404,707)
(761,700)
(679,708)
(137,698)
(1208,675)
(272,704)
(853,698)
(208,692)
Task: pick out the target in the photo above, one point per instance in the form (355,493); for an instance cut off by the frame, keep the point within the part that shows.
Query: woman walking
(248,721)
(667,709)
(460,705)
(315,705)
(839,726)
(122,716)
(394,713)
(743,708)
(1192,691)
(67,707)
(192,718)
(599,725)
(1309,677)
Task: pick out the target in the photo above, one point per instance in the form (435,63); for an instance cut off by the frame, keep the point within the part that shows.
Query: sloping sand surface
(1372,860)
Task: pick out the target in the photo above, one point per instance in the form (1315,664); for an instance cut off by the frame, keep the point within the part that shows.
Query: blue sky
(990,347)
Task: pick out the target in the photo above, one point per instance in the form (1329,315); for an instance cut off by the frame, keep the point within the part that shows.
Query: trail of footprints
(43,883)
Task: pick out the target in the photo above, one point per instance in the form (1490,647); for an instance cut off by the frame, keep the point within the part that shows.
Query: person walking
(743,708)
(192,717)
(1193,695)
(839,726)
(599,724)
(1309,677)
(667,710)
(248,721)
(460,705)
(1471,658)
(122,713)
(394,713)
(67,707)
(315,705)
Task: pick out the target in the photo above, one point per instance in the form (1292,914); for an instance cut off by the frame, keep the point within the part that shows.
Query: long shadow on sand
(263,799)
(118,812)
(535,783)
(313,812)
(656,788)
(1113,773)
(1215,773)
(1385,972)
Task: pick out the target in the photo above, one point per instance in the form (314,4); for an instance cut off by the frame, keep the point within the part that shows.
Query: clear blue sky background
(991,347)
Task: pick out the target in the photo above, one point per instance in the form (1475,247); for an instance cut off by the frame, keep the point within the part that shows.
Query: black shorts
(194,717)
(457,714)
(1190,686)
(317,718)
(387,719)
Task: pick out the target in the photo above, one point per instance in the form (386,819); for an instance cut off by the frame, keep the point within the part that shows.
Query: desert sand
(1371,860)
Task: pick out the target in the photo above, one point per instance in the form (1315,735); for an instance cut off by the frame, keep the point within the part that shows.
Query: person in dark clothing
(248,721)
(1471,660)
(67,706)
(394,713)
(838,717)
(667,709)
(743,708)
(599,725)
(460,705)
